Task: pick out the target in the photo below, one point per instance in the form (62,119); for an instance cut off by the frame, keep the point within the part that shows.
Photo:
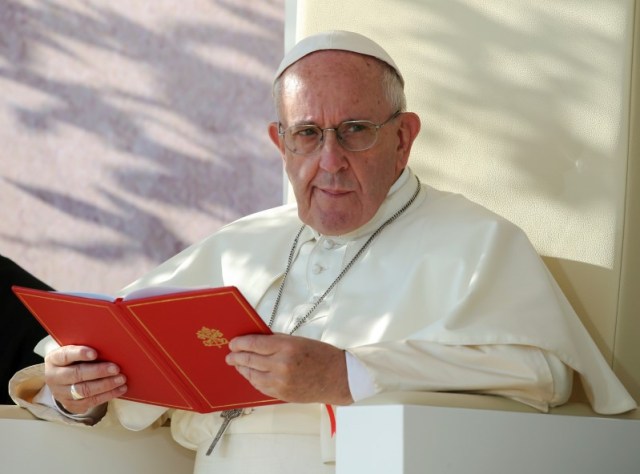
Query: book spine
(171,373)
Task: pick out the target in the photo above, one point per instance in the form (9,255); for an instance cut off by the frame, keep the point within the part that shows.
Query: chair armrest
(483,402)
(14,412)
(31,445)
(417,432)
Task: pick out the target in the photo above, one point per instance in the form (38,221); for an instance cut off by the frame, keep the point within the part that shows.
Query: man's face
(337,190)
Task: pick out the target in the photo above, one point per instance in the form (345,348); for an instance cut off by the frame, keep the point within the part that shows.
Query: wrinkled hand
(97,382)
(292,368)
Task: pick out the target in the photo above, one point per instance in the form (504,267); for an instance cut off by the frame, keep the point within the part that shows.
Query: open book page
(82,294)
(157,291)
(134,295)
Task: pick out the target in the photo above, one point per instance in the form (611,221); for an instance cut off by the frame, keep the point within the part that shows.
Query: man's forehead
(334,63)
(336,40)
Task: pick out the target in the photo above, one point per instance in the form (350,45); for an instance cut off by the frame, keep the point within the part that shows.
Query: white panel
(408,439)
(30,446)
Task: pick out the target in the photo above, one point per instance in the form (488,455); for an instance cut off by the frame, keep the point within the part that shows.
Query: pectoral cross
(228,416)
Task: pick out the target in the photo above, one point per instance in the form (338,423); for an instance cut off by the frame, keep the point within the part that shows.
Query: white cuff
(360,382)
(45,397)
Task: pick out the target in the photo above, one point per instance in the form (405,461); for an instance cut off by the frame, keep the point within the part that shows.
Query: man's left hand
(292,368)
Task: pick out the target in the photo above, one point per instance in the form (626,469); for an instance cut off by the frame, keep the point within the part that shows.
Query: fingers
(249,359)
(265,382)
(257,343)
(96,382)
(67,355)
(292,368)
(73,364)
(93,394)
(259,352)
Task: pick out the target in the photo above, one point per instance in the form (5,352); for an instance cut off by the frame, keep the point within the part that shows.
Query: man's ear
(407,132)
(275,138)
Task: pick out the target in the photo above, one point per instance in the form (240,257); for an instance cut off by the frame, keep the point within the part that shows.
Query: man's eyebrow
(303,122)
(300,123)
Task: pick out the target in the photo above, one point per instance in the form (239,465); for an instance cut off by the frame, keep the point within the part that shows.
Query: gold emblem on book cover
(211,337)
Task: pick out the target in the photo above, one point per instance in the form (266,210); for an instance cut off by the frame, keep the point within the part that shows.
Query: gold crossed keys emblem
(211,337)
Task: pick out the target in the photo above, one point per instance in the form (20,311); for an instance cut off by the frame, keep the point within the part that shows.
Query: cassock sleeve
(523,373)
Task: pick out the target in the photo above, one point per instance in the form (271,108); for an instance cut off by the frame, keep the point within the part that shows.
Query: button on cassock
(328,244)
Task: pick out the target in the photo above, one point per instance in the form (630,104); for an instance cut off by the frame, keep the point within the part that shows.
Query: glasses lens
(357,135)
(304,139)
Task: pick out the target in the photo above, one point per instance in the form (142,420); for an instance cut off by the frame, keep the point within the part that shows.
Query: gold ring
(74,392)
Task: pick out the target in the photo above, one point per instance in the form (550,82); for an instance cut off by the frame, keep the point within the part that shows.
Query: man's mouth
(333,192)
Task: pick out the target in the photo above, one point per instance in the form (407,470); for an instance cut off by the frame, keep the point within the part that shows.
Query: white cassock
(448,297)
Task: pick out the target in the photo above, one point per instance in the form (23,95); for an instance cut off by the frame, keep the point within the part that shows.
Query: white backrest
(531,109)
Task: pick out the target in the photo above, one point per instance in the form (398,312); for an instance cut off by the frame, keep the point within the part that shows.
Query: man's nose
(332,154)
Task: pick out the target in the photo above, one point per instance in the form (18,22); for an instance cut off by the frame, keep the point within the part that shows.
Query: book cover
(171,347)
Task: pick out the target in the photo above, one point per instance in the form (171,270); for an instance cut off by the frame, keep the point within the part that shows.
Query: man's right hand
(95,382)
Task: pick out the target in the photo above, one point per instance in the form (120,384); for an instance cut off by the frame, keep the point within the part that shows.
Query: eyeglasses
(353,135)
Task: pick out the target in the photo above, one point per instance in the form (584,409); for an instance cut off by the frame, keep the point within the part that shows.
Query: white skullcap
(336,39)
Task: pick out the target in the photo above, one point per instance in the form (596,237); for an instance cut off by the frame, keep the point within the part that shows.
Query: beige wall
(529,108)
(129,130)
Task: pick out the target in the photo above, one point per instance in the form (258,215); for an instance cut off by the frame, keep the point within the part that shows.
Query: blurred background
(129,130)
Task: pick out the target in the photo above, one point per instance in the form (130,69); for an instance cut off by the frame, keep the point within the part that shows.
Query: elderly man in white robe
(373,281)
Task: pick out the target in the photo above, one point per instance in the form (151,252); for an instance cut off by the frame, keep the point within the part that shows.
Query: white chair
(531,109)
(28,445)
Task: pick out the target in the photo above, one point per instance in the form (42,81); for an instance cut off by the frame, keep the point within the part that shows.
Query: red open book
(171,347)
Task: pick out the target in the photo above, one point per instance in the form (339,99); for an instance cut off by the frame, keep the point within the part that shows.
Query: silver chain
(229,415)
(304,319)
